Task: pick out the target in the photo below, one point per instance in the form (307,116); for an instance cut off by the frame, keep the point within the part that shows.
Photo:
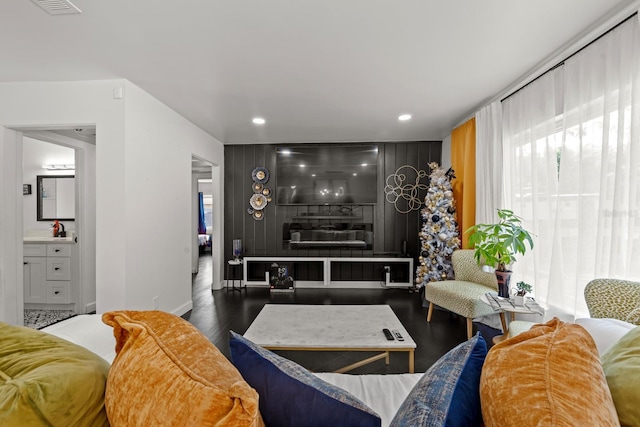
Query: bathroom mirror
(56,197)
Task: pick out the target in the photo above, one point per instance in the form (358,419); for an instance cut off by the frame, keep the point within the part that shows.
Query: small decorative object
(498,244)
(260,175)
(522,289)
(258,215)
(403,194)
(266,191)
(257,187)
(237,248)
(258,201)
(279,279)
(250,211)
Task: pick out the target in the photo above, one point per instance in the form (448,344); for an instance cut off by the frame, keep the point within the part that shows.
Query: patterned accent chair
(613,298)
(462,295)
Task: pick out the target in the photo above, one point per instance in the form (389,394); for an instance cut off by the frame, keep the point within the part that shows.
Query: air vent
(58,7)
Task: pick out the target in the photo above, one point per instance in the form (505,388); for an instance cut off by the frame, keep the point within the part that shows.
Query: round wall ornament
(258,201)
(260,175)
(402,188)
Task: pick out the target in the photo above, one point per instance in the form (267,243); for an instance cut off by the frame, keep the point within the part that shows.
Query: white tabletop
(326,326)
(508,305)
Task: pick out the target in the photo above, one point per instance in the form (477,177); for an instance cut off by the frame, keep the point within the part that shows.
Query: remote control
(388,334)
(398,335)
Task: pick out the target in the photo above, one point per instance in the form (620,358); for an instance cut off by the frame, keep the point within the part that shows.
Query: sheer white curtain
(489,174)
(532,139)
(598,223)
(585,211)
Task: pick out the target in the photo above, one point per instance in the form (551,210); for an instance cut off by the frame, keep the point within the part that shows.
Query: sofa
(136,368)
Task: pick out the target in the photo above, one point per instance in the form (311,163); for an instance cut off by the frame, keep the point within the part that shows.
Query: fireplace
(327,236)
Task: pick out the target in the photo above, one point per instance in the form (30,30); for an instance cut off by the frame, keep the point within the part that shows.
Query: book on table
(505,304)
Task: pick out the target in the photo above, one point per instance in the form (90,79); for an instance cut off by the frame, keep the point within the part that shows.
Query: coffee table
(330,328)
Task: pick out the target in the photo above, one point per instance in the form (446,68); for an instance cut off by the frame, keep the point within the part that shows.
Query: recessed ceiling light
(259,121)
(404,117)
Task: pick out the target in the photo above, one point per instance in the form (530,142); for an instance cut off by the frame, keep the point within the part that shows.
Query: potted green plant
(498,244)
(522,289)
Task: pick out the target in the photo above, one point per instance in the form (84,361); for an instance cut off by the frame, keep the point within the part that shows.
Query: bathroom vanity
(49,264)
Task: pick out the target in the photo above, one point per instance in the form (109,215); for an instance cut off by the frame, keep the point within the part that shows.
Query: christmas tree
(439,234)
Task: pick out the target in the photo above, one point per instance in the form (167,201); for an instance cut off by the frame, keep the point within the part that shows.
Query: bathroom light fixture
(59,167)
(404,117)
(258,121)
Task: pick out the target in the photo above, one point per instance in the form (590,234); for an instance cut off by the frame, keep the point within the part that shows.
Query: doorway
(69,152)
(202,208)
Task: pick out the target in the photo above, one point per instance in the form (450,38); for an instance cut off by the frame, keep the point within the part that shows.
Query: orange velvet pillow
(167,373)
(549,375)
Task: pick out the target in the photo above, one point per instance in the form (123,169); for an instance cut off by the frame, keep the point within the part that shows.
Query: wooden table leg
(411,361)
(505,328)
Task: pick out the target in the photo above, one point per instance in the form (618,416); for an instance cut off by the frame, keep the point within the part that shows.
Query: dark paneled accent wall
(264,238)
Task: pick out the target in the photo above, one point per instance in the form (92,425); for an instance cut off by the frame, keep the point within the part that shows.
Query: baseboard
(183,308)
(90,308)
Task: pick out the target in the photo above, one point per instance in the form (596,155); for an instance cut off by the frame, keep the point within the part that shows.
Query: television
(326,174)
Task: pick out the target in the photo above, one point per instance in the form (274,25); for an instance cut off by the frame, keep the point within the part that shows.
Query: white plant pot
(518,300)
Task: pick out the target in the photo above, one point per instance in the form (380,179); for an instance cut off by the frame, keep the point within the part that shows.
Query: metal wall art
(402,188)
(261,194)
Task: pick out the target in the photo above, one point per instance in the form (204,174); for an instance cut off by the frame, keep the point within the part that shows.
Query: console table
(326,269)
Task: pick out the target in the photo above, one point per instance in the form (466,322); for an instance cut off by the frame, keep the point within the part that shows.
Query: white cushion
(382,393)
(88,331)
(605,332)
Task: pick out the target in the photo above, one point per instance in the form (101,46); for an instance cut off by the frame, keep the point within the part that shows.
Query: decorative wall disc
(250,211)
(257,187)
(258,201)
(258,215)
(266,191)
(260,175)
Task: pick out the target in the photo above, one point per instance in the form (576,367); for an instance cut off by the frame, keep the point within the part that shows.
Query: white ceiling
(315,70)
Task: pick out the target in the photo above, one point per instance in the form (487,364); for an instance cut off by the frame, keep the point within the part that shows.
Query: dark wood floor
(215,313)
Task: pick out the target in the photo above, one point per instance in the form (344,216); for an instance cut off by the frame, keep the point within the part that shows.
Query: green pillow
(621,364)
(48,381)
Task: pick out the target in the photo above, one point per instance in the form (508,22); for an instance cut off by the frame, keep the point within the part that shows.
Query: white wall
(143,190)
(160,145)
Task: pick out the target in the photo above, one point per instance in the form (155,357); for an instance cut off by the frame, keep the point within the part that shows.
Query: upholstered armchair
(462,295)
(613,298)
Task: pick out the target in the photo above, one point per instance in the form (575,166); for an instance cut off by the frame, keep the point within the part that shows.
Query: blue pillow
(449,392)
(292,396)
